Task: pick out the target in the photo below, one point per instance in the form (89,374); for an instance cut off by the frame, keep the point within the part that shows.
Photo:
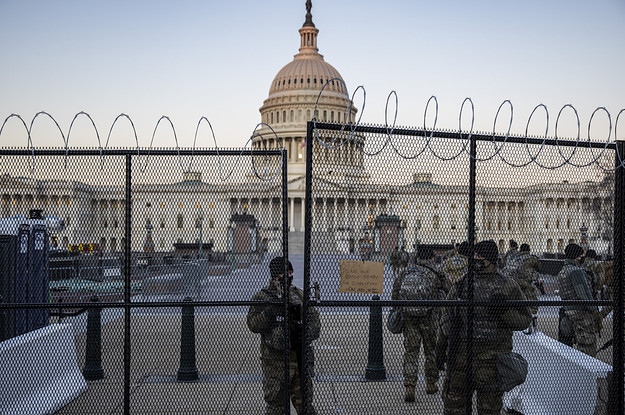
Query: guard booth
(24,276)
(243,240)
(388,233)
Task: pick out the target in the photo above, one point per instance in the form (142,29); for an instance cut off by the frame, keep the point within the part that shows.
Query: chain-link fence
(395,219)
(165,304)
(136,301)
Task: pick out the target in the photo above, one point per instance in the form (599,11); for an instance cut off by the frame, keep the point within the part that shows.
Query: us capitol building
(547,216)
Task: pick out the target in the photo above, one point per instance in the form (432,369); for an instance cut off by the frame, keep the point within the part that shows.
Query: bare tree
(601,208)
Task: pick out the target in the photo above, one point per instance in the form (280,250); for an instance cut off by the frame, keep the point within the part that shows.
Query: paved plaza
(228,358)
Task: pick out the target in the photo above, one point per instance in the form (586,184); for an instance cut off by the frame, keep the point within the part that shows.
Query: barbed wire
(267,175)
(267,171)
(347,124)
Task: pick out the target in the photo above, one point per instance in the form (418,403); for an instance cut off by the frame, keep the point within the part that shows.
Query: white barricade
(39,371)
(560,380)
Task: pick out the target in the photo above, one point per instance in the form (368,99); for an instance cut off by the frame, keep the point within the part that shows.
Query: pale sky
(216,59)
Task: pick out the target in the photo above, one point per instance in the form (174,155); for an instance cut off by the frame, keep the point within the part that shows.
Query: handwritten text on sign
(363,277)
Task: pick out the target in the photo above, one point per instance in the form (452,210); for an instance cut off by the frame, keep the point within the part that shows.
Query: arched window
(283,116)
(113,244)
(180,221)
(292,115)
(307,115)
(436,222)
(550,246)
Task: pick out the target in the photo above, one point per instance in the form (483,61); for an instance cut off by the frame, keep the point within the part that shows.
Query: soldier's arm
(259,317)
(515,318)
(396,287)
(314,324)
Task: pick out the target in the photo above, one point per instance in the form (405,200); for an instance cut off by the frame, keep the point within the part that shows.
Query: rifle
(296,335)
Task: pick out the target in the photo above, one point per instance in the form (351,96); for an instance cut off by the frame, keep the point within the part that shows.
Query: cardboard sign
(361,277)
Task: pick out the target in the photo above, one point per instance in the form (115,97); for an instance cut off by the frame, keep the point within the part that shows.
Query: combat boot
(431,388)
(409,397)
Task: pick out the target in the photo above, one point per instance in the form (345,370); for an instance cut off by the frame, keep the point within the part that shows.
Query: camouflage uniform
(492,335)
(264,320)
(419,330)
(395,262)
(511,257)
(455,267)
(530,265)
(598,271)
(573,285)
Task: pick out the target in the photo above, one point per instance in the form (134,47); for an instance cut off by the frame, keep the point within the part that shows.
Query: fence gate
(378,200)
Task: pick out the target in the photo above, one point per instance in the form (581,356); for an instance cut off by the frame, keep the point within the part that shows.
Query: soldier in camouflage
(574,285)
(456,266)
(530,274)
(395,261)
(420,323)
(512,256)
(492,335)
(268,321)
(597,269)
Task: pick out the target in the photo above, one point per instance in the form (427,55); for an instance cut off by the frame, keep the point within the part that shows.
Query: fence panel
(386,206)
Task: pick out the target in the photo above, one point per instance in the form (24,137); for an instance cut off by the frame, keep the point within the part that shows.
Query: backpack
(417,284)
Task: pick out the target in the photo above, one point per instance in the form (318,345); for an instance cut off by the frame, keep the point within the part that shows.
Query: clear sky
(188,59)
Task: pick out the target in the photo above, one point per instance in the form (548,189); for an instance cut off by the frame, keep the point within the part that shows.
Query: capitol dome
(307,71)
(294,99)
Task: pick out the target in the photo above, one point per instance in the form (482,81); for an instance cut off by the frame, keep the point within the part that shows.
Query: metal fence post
(93,355)
(375,366)
(188,369)
(617,391)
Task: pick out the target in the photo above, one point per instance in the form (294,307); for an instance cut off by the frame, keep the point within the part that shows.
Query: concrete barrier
(39,371)
(560,379)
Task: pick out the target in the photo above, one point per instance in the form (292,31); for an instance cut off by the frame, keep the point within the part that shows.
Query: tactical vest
(274,337)
(567,291)
(417,284)
(484,319)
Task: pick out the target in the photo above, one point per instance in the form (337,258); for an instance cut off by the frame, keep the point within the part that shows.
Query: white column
(303,219)
(292,215)
(335,214)
(345,204)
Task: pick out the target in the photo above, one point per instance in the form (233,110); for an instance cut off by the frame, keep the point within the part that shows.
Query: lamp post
(201,220)
(584,237)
